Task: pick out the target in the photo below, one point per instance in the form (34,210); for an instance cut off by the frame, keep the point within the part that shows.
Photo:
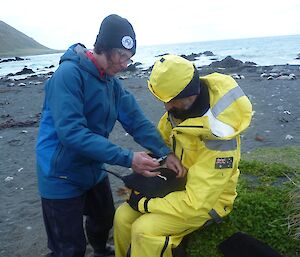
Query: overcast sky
(59,23)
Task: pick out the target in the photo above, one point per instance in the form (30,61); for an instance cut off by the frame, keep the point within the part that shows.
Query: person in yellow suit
(202,124)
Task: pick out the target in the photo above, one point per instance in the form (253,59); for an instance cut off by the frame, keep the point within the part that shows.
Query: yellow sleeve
(205,184)
(165,129)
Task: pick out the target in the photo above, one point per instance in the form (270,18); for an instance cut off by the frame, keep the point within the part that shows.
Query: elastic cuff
(146,205)
(166,151)
(129,158)
(143,205)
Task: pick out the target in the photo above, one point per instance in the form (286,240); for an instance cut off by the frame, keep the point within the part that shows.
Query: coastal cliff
(16,43)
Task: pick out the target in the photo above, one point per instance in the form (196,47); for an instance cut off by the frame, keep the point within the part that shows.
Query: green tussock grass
(267,206)
(294,206)
(289,156)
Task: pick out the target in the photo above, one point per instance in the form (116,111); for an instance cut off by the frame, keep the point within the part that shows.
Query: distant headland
(15,43)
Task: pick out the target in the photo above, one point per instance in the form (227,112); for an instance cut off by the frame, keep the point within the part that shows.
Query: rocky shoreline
(273,91)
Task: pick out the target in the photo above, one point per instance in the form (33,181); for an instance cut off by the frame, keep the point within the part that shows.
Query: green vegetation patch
(289,155)
(294,207)
(267,208)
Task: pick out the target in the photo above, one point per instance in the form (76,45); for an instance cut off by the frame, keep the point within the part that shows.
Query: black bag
(157,186)
(243,245)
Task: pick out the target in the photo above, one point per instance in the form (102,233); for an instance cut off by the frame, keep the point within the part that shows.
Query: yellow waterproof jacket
(209,147)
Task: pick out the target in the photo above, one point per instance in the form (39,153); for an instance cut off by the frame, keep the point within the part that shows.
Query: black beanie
(116,32)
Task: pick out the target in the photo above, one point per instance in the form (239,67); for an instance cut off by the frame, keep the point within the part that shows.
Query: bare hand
(143,164)
(173,163)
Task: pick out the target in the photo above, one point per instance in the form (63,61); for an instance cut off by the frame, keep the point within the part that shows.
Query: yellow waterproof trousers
(149,235)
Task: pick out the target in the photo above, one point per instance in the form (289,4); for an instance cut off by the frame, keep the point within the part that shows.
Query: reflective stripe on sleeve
(221,145)
(227,100)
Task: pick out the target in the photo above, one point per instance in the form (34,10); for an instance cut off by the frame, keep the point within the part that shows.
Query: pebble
(8,179)
(259,138)
(237,76)
(264,75)
(123,77)
(282,76)
(289,137)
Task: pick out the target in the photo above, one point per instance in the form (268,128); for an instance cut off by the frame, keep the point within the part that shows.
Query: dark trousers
(63,220)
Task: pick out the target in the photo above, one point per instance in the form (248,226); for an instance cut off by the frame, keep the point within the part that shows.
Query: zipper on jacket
(182,126)
(181,156)
(108,87)
(174,144)
(165,246)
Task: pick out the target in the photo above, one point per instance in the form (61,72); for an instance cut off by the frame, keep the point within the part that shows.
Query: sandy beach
(273,91)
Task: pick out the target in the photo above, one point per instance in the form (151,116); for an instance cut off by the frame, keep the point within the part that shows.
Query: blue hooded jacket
(79,112)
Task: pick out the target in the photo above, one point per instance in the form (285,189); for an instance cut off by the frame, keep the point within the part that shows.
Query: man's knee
(120,215)
(125,215)
(143,226)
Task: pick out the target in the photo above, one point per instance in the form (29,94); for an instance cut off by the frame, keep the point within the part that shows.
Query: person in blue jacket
(83,101)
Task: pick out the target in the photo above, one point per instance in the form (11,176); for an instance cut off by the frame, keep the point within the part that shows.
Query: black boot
(180,251)
(109,250)
(101,248)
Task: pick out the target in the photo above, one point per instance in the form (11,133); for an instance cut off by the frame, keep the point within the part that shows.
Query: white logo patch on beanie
(127,42)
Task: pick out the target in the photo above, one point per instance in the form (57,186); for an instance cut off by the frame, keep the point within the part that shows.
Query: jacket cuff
(143,205)
(165,151)
(128,159)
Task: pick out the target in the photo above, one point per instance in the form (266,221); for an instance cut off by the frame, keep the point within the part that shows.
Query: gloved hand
(134,199)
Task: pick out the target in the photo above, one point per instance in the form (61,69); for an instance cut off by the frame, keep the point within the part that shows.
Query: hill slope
(16,43)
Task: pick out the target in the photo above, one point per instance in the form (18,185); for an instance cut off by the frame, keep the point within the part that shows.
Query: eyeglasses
(124,59)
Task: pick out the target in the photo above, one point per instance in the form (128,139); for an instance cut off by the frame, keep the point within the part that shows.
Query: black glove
(134,199)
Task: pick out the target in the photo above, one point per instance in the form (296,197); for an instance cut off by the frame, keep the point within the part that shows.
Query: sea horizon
(217,40)
(264,51)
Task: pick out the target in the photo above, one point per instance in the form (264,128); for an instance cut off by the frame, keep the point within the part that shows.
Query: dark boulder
(19,59)
(24,71)
(133,66)
(12,59)
(160,55)
(230,62)
(190,57)
(247,63)
(208,53)
(227,62)
(50,67)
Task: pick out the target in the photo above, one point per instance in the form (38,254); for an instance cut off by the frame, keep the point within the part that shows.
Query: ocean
(277,50)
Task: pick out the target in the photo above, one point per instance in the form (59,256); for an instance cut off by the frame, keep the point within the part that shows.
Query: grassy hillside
(16,43)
